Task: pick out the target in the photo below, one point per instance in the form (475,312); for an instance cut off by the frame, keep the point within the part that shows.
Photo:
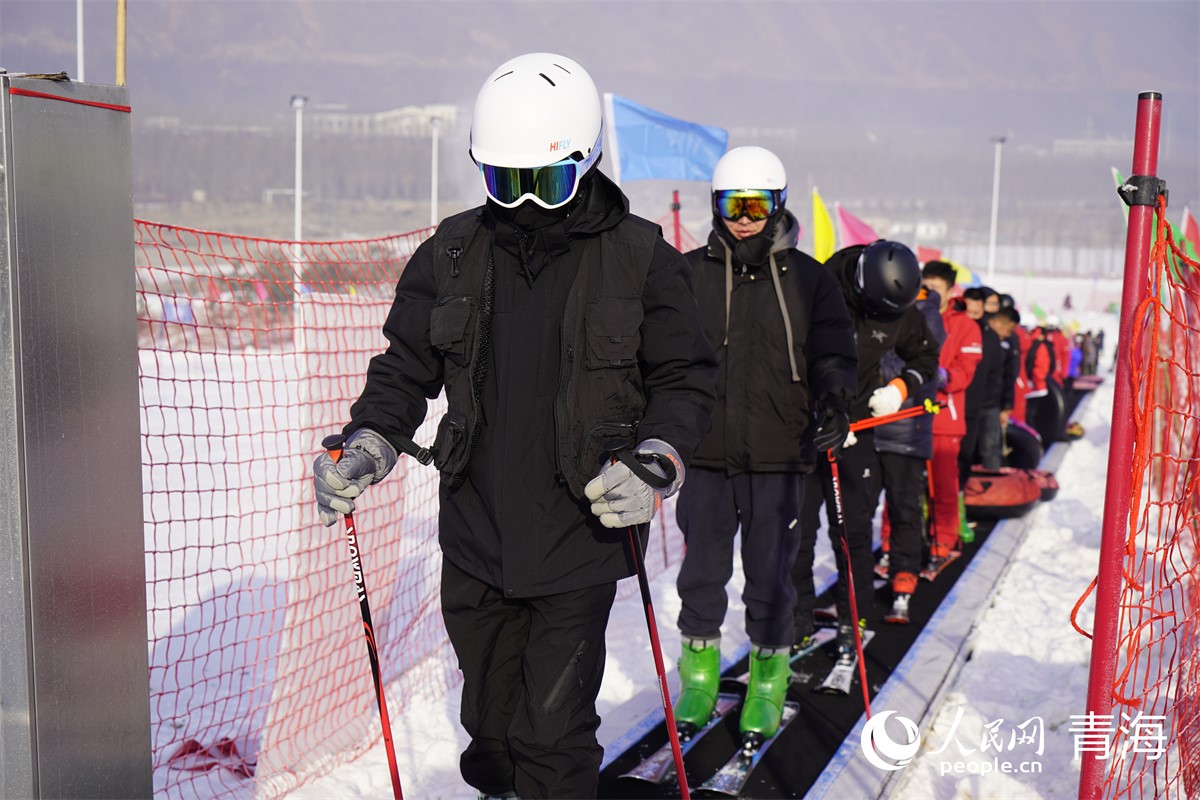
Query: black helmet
(887,278)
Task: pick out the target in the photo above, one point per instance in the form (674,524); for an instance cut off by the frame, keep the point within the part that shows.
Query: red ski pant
(945,494)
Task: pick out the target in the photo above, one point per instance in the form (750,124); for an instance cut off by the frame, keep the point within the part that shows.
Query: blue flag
(650,144)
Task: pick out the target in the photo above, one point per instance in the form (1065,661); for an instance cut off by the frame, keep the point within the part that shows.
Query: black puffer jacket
(756,298)
(913,437)
(904,334)
(985,389)
(513,521)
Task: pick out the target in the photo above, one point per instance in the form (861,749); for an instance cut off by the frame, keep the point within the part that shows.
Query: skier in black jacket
(786,351)
(559,326)
(983,394)
(880,282)
(907,442)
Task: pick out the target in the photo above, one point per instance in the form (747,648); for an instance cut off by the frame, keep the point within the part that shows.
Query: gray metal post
(74,679)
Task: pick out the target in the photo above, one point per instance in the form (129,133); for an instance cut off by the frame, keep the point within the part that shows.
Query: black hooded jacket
(905,333)
(757,297)
(510,519)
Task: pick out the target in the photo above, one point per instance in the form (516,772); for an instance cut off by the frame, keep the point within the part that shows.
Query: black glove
(833,425)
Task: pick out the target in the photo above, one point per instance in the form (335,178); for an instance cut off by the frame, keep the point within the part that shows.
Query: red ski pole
(333,444)
(635,543)
(841,521)
(928,407)
(639,562)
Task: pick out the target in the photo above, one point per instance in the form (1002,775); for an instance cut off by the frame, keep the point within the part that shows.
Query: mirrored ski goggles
(757,204)
(550,186)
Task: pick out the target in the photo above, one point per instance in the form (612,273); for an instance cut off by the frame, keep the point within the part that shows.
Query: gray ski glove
(620,498)
(367,458)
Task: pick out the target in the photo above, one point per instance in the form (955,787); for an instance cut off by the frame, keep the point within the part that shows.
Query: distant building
(1109,147)
(410,121)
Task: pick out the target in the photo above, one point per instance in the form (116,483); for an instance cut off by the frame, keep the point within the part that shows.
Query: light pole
(298,103)
(79,41)
(991,261)
(434,124)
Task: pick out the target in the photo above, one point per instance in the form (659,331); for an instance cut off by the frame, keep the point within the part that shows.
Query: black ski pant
(858,473)
(904,481)
(531,673)
(710,508)
(966,449)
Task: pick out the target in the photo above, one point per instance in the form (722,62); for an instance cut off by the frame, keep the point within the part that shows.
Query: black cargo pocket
(612,328)
(600,440)
(572,681)
(450,446)
(448,323)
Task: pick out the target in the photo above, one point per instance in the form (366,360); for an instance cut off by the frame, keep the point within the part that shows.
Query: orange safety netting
(250,351)
(1154,728)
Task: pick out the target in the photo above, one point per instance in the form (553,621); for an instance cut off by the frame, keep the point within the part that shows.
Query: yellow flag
(823,236)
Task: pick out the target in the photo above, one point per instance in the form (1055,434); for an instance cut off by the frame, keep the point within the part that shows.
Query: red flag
(852,230)
(927,254)
(1191,231)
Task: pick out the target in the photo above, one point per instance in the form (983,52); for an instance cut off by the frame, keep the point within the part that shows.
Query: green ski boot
(762,712)
(699,678)
(966,531)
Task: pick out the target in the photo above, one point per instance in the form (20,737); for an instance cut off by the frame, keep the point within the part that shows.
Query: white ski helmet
(534,110)
(749,168)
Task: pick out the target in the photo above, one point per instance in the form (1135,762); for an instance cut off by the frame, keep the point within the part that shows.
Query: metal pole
(120,42)
(434,124)
(1102,671)
(991,264)
(79,41)
(298,103)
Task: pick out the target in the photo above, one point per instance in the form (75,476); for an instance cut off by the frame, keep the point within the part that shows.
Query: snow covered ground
(1027,661)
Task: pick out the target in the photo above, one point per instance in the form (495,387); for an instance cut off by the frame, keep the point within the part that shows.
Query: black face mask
(528,216)
(753,251)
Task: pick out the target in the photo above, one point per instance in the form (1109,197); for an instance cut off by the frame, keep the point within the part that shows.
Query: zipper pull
(454,252)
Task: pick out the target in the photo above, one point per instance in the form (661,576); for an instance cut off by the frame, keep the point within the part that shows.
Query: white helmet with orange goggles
(749,181)
(536,130)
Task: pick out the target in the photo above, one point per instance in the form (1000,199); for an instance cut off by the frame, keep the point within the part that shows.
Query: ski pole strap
(636,462)
(928,407)
(334,443)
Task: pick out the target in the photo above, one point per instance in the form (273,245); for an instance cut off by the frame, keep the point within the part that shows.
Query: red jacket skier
(960,355)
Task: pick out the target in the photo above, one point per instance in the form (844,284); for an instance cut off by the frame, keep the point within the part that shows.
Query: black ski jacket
(913,436)
(633,364)
(905,333)
(985,388)
(768,392)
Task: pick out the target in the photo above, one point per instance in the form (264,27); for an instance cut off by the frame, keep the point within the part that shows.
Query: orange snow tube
(999,494)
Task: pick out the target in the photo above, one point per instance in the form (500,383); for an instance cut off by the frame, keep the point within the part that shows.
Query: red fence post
(1114,530)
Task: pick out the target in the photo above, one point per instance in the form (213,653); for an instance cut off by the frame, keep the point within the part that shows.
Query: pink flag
(852,230)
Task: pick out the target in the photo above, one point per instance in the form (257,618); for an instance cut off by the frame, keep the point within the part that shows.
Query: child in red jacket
(956,366)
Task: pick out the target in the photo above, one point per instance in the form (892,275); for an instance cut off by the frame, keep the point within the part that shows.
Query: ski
(656,767)
(841,676)
(931,572)
(731,778)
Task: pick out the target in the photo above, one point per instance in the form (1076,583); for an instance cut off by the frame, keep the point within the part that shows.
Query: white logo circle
(883,751)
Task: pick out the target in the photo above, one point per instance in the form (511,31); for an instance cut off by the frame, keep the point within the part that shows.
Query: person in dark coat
(879,283)
(983,394)
(908,443)
(561,327)
(785,346)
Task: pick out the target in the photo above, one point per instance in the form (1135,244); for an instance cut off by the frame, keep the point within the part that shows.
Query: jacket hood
(535,235)
(781,233)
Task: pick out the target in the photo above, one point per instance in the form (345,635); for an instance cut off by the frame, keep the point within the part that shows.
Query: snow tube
(1086,383)
(1046,482)
(999,494)
(1022,446)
